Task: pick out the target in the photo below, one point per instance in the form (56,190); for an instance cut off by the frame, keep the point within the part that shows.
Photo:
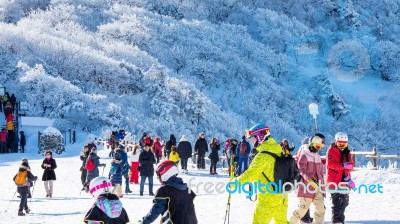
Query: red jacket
(157,148)
(10,118)
(3,136)
(334,164)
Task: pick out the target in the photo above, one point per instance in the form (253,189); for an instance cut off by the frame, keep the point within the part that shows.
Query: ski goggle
(250,133)
(342,144)
(318,146)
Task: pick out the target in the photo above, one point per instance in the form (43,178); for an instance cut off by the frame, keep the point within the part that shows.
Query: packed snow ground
(68,205)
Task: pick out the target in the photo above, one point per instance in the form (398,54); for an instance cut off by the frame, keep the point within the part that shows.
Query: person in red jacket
(3,141)
(339,165)
(157,149)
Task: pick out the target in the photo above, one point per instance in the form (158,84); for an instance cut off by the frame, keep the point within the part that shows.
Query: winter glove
(35,178)
(347,166)
(312,183)
(350,182)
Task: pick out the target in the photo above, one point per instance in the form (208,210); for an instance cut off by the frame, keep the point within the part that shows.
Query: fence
(374,156)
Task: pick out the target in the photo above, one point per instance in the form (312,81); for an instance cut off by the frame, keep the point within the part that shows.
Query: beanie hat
(166,169)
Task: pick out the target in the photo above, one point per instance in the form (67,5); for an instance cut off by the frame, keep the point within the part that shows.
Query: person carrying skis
(312,190)
(270,206)
(243,151)
(338,168)
(107,209)
(173,200)
(23,179)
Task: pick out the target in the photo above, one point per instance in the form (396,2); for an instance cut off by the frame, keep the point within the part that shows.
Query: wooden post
(375,158)
(353,157)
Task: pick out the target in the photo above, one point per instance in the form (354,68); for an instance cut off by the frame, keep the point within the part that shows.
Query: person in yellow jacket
(174,155)
(270,206)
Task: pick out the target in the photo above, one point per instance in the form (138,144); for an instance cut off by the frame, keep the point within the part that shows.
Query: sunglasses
(341,144)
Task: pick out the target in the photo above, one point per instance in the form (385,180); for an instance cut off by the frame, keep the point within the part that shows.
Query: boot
(27,210)
(151,194)
(141,193)
(21,213)
(127,190)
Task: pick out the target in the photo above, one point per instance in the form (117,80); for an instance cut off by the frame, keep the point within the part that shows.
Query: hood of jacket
(176,183)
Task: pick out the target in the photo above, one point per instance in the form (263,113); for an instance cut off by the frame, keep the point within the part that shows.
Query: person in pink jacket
(311,187)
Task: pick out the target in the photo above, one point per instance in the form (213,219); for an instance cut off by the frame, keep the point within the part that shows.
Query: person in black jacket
(214,157)
(173,200)
(146,168)
(169,144)
(83,156)
(22,141)
(201,148)
(185,152)
(108,208)
(23,186)
(49,164)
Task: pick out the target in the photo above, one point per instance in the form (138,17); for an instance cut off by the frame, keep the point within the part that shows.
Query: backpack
(285,171)
(243,148)
(89,164)
(20,178)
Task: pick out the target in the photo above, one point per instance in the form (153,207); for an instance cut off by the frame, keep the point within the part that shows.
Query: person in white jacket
(134,158)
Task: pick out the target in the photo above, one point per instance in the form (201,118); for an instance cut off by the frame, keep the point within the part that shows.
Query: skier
(125,165)
(269,206)
(173,200)
(23,179)
(49,165)
(213,156)
(339,165)
(108,208)
(201,148)
(146,168)
(312,191)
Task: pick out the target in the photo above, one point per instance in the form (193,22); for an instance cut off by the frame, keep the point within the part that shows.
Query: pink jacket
(310,167)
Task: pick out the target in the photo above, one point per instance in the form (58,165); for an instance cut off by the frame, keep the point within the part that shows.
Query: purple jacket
(310,167)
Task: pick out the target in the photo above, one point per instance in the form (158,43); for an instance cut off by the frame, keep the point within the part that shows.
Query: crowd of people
(136,166)
(9,139)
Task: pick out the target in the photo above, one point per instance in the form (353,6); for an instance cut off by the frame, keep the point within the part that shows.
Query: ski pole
(9,204)
(102,173)
(33,189)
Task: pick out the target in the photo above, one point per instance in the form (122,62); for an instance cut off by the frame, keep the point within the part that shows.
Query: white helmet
(100,185)
(341,137)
